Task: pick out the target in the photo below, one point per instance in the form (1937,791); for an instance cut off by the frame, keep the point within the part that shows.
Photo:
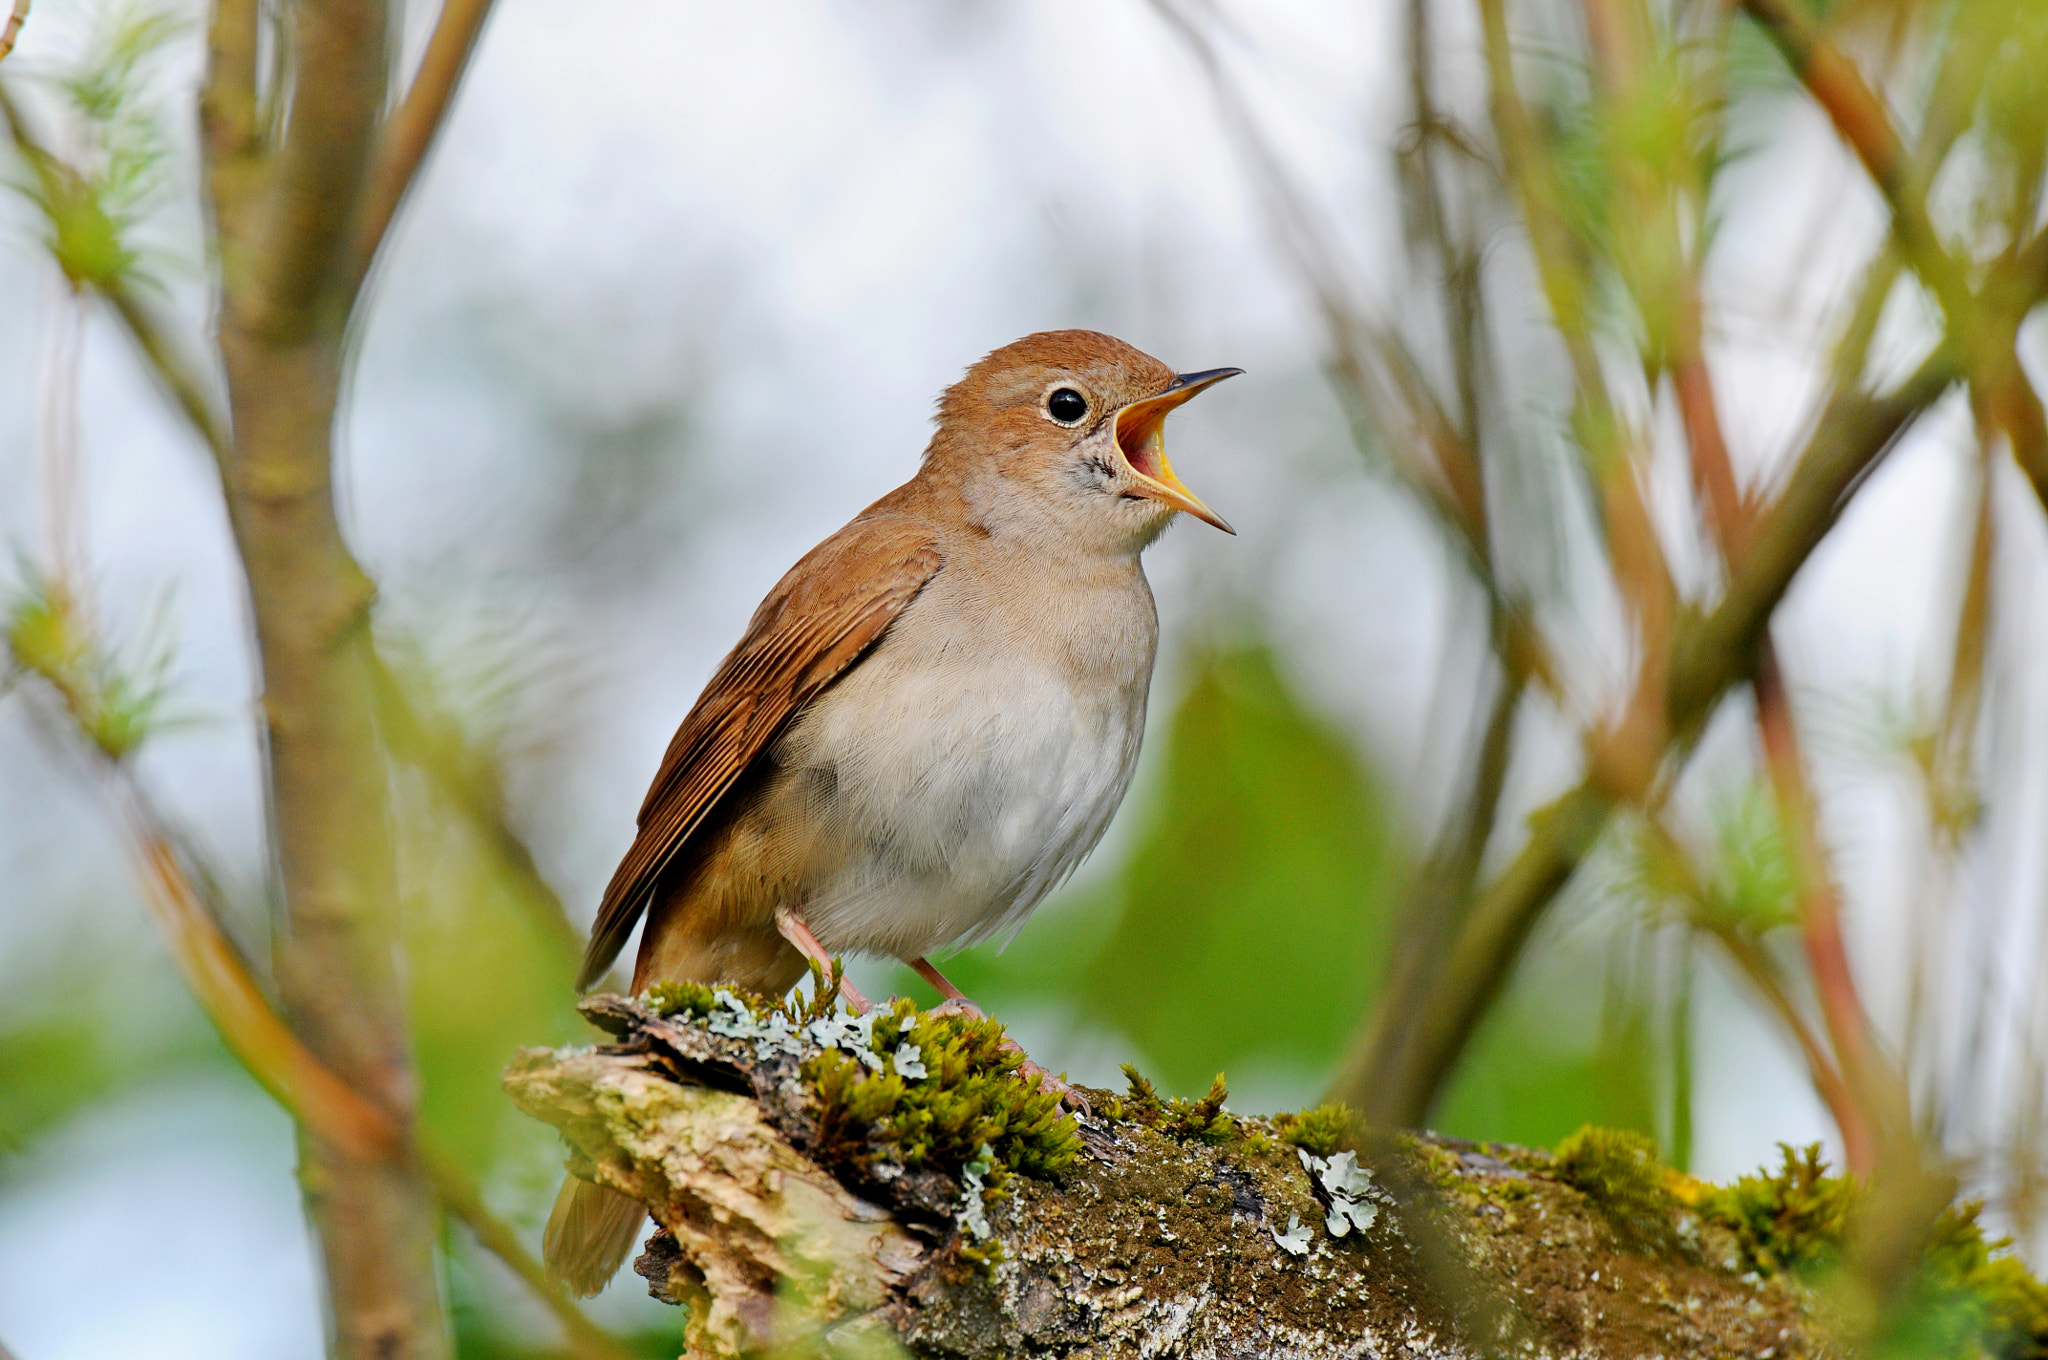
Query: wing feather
(820,619)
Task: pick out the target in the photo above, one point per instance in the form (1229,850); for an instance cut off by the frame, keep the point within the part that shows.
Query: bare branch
(1413,1053)
(410,131)
(1860,117)
(229,123)
(300,240)
(460,1196)
(168,361)
(434,743)
(12,28)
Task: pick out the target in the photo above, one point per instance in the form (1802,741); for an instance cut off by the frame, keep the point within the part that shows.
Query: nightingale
(930,720)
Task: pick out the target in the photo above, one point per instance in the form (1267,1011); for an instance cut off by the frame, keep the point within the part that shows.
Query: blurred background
(673,300)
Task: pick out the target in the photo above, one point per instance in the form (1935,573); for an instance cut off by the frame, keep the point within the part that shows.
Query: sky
(743,247)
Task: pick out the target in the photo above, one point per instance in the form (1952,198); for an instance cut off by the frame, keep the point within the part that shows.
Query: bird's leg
(797,933)
(956,1002)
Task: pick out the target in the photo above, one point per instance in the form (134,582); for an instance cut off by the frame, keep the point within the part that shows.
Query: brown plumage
(930,719)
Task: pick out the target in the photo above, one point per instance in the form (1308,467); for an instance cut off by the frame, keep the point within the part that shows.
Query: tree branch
(1163,1235)
(298,274)
(12,28)
(410,131)
(1859,116)
(433,742)
(220,978)
(1414,1053)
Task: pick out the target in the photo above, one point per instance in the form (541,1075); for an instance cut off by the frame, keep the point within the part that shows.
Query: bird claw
(1070,1096)
(958,1005)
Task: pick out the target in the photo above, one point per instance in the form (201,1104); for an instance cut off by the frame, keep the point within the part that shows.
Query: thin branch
(168,360)
(1762,974)
(227,990)
(410,131)
(1872,1120)
(171,367)
(1868,1116)
(432,741)
(1709,656)
(12,28)
(459,1194)
(1859,115)
(1438,902)
(219,977)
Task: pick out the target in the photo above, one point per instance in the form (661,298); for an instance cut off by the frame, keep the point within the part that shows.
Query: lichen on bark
(1173,1229)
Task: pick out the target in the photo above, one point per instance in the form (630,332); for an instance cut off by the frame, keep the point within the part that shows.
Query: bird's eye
(1066,406)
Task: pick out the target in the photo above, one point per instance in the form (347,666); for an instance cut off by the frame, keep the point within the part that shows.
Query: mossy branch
(812,1193)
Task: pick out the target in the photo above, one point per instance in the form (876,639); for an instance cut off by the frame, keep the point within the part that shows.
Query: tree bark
(287,221)
(1152,1242)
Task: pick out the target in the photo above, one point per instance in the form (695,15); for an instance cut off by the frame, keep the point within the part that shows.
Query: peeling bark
(1149,1244)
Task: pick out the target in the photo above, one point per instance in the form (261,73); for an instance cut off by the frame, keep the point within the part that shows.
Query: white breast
(956,776)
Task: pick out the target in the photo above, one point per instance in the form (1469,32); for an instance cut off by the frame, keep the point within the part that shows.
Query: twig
(265,1045)
(12,28)
(179,376)
(459,1194)
(219,977)
(1862,1119)
(1860,117)
(432,741)
(166,358)
(1756,966)
(410,131)
(1820,925)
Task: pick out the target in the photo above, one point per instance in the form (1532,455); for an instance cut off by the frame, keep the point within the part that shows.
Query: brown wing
(817,622)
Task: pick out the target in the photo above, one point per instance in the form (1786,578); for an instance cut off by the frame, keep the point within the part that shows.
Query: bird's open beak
(1140,435)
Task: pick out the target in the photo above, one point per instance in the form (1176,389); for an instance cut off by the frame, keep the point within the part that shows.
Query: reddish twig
(12,28)
(215,971)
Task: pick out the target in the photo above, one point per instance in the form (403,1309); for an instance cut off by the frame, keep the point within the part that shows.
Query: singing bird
(929,721)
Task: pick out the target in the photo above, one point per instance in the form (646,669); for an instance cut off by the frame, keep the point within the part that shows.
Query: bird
(928,723)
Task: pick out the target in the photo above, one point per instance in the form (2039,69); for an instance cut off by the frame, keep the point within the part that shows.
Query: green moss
(1973,1297)
(1322,1130)
(1204,1120)
(1619,1172)
(1794,1219)
(672,999)
(2000,1300)
(971,1095)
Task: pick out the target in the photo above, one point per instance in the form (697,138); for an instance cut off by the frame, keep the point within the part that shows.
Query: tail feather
(593,1227)
(589,1233)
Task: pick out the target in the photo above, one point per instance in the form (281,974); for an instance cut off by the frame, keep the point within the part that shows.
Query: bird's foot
(1070,1096)
(792,928)
(958,1005)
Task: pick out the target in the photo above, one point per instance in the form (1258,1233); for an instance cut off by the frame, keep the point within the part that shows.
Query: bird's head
(1061,434)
